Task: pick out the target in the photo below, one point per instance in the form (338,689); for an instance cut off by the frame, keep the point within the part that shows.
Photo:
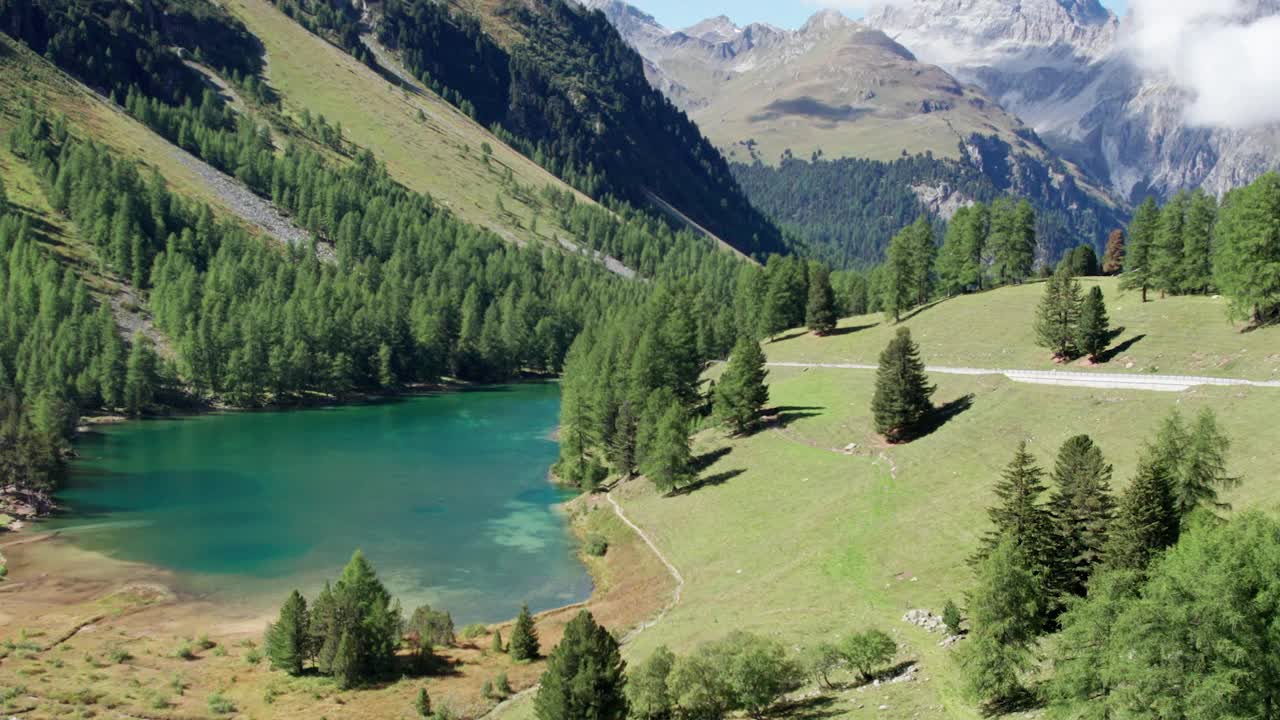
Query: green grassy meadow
(995,329)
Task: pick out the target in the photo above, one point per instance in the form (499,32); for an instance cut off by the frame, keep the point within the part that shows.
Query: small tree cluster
(1069,323)
(351,632)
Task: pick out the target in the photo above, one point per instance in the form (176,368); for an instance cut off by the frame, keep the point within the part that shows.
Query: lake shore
(59,596)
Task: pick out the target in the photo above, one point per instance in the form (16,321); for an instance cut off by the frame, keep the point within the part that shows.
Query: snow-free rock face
(1063,66)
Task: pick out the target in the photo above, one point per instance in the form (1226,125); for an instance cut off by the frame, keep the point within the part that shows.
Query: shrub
(473,631)
(595,545)
(119,656)
(501,685)
(422,703)
(866,651)
(220,704)
(184,652)
(951,616)
(204,643)
(253,657)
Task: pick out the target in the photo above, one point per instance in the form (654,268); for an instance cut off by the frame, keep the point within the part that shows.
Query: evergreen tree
(346,662)
(1086,666)
(322,630)
(785,296)
(1013,240)
(1246,260)
(1138,271)
(286,641)
(1004,619)
(1093,332)
(1203,469)
(1167,246)
(496,645)
(1021,519)
(668,461)
(897,291)
(1113,258)
(523,644)
(140,375)
(585,676)
(1197,243)
(648,686)
(1082,510)
(741,392)
(4,197)
(1058,314)
(422,703)
(1146,522)
(923,253)
(902,395)
(820,313)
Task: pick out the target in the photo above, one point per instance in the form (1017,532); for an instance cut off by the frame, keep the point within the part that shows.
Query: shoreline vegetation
(58,595)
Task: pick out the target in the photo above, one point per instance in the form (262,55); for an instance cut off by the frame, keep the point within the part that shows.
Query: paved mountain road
(1116,381)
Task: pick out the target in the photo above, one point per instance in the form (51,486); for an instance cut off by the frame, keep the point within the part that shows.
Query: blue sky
(783,13)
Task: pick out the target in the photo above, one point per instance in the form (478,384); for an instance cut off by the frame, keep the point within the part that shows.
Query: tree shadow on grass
(709,458)
(781,417)
(1112,353)
(1024,701)
(719,478)
(942,415)
(920,309)
(850,330)
(817,707)
(790,336)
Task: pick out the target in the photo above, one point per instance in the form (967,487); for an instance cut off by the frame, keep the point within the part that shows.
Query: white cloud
(1224,52)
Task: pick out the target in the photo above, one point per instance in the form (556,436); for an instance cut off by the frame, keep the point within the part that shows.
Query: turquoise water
(446,494)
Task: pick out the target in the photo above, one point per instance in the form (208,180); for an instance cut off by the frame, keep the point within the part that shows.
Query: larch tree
(902,395)
(1058,314)
(649,688)
(140,375)
(1138,273)
(1197,243)
(1113,257)
(1202,471)
(286,640)
(668,462)
(1093,331)
(896,288)
(1246,262)
(523,644)
(1082,509)
(923,252)
(741,392)
(1004,620)
(1166,252)
(1086,664)
(585,677)
(820,312)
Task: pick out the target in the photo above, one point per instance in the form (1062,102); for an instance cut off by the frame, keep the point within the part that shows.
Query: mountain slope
(559,84)
(1061,66)
(836,91)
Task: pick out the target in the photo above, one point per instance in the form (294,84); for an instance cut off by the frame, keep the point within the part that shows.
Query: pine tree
(1246,260)
(346,662)
(1013,240)
(140,375)
(1004,619)
(1082,510)
(1167,246)
(741,392)
(668,460)
(1138,272)
(902,395)
(523,644)
(585,676)
(286,641)
(784,300)
(820,313)
(896,288)
(1197,243)
(1058,314)
(1093,332)
(923,252)
(1020,518)
(496,645)
(1113,258)
(422,704)
(1146,522)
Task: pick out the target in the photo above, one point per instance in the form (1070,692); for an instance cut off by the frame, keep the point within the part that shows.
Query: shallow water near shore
(446,494)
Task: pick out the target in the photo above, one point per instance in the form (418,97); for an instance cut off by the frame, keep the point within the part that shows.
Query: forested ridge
(572,95)
(847,209)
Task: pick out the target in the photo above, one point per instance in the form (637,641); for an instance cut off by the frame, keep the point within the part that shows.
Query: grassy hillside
(439,154)
(1171,336)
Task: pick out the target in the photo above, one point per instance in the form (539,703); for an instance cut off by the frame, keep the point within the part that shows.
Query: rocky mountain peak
(826,20)
(714,30)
